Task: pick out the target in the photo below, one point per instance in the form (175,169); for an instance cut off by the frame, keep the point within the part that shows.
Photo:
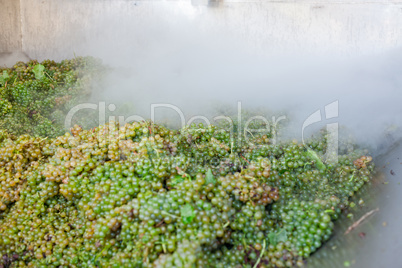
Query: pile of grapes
(143,195)
(34,98)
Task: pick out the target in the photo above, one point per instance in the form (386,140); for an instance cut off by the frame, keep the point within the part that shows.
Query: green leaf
(280,236)
(187,214)
(4,77)
(177,180)
(39,71)
(272,238)
(209,178)
(313,155)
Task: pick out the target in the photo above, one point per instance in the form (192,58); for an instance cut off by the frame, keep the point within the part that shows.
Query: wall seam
(21,27)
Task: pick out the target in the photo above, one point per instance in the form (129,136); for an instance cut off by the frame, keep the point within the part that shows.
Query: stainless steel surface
(10,26)
(377,242)
(60,28)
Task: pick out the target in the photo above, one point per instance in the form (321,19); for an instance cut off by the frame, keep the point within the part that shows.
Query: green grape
(144,195)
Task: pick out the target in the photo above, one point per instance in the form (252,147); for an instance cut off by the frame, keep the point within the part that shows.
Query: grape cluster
(5,106)
(35,105)
(143,195)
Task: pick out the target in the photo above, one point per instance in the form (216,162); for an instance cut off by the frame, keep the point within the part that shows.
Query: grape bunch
(5,106)
(144,195)
(35,97)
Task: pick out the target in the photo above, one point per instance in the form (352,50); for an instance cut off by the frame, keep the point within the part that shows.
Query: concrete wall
(59,28)
(10,26)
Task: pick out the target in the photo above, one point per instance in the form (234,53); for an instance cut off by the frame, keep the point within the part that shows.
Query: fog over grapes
(205,69)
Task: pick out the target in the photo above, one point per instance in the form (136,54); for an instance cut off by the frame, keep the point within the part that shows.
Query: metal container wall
(58,29)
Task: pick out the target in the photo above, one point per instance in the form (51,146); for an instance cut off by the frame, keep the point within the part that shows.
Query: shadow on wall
(9,59)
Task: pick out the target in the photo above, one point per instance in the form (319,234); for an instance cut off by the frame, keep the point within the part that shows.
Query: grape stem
(261,254)
(37,142)
(196,144)
(353,175)
(105,248)
(156,150)
(166,213)
(245,159)
(357,223)
(250,133)
(248,177)
(50,77)
(163,244)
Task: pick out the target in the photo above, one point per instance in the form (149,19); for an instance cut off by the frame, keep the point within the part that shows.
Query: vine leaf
(177,180)
(280,236)
(4,77)
(209,178)
(39,71)
(187,214)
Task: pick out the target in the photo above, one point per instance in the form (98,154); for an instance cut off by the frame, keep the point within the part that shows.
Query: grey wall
(10,26)
(60,28)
